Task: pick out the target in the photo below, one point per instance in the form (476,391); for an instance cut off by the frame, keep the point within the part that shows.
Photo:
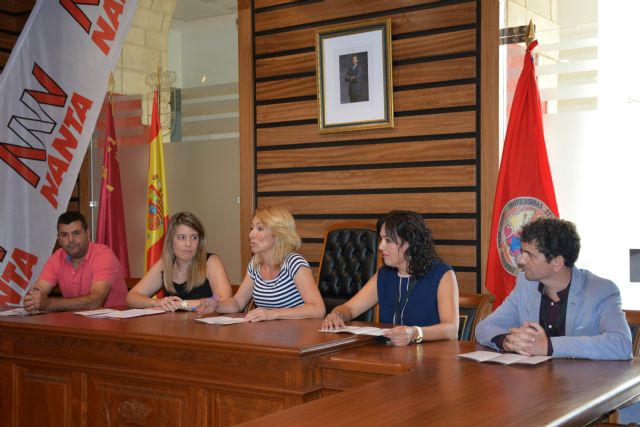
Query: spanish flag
(157,206)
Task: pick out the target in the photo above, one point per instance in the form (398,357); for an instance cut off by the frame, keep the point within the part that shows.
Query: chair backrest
(349,259)
(473,308)
(633,319)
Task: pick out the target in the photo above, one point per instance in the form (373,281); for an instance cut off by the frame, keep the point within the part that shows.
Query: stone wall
(146,47)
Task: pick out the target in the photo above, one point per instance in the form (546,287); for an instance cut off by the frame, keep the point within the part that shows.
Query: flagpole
(158,74)
(531,33)
(112,84)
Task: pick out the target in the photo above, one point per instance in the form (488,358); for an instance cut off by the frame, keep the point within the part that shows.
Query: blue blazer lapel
(576,299)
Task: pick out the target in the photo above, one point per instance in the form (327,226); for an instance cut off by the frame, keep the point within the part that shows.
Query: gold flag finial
(531,33)
(158,71)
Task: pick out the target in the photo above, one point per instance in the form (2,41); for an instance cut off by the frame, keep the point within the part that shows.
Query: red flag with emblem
(525,187)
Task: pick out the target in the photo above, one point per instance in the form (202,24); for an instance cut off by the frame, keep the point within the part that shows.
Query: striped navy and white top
(281,291)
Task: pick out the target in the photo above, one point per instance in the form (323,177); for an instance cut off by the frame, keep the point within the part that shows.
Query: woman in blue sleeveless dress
(278,279)
(416,291)
(185,273)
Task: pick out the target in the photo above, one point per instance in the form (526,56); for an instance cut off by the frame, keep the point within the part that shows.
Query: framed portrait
(355,83)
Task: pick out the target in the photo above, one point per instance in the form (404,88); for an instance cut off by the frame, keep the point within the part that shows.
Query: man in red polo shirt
(88,274)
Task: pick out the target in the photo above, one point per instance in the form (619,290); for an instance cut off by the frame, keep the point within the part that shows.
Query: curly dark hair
(408,226)
(553,237)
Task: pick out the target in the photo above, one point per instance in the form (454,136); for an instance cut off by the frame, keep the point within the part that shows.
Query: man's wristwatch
(418,339)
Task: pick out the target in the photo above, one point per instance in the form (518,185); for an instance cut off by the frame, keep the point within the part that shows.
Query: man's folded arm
(94,299)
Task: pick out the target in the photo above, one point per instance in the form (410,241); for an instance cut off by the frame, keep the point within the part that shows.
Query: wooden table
(167,369)
(430,385)
(63,369)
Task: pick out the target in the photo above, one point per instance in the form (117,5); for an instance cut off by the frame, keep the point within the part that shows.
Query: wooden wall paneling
(463,256)
(458,255)
(18,6)
(489,123)
(328,178)
(434,71)
(327,10)
(467,281)
(289,88)
(13,23)
(431,19)
(418,177)
(296,63)
(434,45)
(441,203)
(406,100)
(431,124)
(290,111)
(403,75)
(381,153)
(7,41)
(13,16)
(435,97)
(442,229)
(449,43)
(246,87)
(452,229)
(260,4)
(4,57)
(311,251)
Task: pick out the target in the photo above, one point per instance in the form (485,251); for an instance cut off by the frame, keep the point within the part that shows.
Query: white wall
(595,155)
(209,47)
(174,56)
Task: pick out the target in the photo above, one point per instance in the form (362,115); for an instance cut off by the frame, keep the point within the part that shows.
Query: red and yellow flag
(157,206)
(111,230)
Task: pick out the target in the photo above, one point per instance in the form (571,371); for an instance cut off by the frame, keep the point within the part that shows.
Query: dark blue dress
(421,306)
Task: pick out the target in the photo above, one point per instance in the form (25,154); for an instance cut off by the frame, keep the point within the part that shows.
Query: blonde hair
(283,227)
(197,271)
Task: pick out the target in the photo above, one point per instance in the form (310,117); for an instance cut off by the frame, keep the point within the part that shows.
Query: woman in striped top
(278,279)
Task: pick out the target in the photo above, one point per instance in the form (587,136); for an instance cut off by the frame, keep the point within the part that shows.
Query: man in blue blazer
(557,309)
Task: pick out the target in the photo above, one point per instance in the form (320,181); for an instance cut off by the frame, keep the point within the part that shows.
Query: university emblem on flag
(515,215)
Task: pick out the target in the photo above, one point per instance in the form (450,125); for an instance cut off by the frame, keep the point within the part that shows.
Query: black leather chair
(472,308)
(349,259)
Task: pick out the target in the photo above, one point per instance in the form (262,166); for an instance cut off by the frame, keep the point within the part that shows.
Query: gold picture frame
(354,77)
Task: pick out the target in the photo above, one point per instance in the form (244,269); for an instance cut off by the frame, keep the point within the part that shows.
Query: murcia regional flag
(51,92)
